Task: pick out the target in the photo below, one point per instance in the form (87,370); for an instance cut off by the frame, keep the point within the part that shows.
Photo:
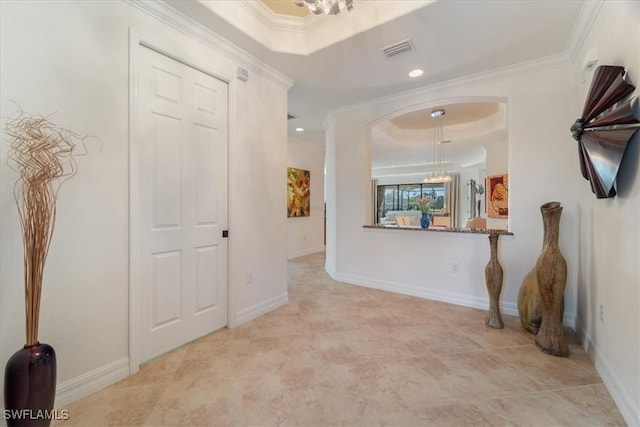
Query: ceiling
(452,39)
(408,144)
(455,114)
(286,7)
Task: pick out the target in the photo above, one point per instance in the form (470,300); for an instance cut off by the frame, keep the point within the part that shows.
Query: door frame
(137,40)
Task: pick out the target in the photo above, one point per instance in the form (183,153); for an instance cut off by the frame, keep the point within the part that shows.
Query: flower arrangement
(425,204)
(43,154)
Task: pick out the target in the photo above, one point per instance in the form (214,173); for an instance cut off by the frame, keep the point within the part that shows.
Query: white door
(182,262)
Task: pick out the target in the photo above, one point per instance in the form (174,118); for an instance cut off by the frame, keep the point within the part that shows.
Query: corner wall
(305,235)
(72,58)
(609,230)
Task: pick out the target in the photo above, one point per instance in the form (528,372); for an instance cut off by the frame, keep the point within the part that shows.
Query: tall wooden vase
(493,275)
(551,273)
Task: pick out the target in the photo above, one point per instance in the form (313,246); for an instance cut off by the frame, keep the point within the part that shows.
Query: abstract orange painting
(498,196)
(298,192)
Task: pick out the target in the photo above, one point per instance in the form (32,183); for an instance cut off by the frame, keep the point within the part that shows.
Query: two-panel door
(182,199)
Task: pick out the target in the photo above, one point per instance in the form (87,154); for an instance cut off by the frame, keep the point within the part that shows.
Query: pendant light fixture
(327,7)
(438,173)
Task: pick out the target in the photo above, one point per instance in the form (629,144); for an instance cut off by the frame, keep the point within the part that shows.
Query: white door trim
(136,40)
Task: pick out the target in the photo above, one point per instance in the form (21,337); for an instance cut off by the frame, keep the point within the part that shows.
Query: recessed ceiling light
(299,129)
(437,113)
(416,73)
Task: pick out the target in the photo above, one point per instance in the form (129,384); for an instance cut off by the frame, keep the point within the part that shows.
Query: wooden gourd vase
(493,276)
(529,304)
(551,275)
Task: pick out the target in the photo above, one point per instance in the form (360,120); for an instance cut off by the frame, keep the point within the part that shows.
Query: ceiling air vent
(398,48)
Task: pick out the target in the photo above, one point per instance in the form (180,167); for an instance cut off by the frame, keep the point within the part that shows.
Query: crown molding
(168,15)
(582,27)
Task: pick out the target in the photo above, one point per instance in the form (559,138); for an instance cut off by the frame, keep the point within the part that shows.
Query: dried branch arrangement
(43,154)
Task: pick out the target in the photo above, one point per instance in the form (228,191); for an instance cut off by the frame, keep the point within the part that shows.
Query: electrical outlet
(454,267)
(249,277)
(602,312)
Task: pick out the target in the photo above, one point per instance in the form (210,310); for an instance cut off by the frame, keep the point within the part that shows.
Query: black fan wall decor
(605,128)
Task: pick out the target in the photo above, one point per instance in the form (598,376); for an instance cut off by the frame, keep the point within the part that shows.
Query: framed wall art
(498,196)
(298,192)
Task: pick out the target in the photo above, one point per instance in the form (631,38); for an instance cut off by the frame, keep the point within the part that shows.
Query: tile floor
(341,355)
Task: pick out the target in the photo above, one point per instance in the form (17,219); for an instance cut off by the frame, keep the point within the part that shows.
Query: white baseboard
(506,307)
(90,382)
(627,407)
(427,293)
(569,319)
(263,307)
(305,252)
(330,271)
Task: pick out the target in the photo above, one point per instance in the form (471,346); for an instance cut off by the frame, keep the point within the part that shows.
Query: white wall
(305,235)
(424,266)
(72,58)
(330,196)
(609,239)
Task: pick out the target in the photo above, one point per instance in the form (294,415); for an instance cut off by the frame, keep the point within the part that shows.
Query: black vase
(30,386)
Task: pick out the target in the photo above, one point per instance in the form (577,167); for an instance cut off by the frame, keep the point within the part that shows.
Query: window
(404,197)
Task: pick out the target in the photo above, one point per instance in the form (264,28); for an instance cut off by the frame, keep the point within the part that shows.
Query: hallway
(345,355)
